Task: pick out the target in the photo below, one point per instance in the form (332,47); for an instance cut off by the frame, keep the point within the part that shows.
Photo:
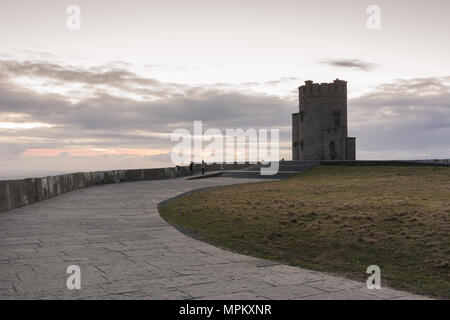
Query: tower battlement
(310,89)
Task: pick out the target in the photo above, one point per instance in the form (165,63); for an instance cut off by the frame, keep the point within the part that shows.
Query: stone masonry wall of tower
(319,129)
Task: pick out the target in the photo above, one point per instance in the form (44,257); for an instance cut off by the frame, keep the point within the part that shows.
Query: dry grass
(336,219)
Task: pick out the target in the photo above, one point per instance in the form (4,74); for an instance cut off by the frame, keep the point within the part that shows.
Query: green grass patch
(337,219)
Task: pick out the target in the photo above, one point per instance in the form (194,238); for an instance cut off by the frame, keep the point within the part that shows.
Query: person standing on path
(191,168)
(203,167)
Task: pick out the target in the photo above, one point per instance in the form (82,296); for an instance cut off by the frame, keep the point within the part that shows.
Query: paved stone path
(126,251)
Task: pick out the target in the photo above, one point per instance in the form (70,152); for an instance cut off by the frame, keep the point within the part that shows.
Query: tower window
(301,116)
(301,145)
(336,118)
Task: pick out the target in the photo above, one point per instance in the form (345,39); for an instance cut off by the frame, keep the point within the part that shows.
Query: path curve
(125,250)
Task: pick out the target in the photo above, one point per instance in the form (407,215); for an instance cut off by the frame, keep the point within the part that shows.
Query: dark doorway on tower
(332,150)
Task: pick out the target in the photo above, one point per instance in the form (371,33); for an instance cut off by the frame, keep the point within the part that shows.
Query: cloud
(111,76)
(350,63)
(408,116)
(282,80)
(10,150)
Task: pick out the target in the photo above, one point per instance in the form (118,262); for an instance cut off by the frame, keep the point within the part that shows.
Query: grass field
(337,219)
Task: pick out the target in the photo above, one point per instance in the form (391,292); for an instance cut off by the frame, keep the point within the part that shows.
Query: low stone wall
(18,193)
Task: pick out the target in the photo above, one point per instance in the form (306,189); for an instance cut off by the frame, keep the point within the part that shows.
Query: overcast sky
(108,96)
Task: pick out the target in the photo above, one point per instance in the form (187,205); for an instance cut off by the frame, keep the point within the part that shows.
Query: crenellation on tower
(337,88)
(319,129)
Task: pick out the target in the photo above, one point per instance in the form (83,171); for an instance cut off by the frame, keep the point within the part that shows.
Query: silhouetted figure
(191,168)
(203,167)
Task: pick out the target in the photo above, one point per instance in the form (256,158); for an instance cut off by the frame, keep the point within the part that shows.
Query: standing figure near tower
(319,130)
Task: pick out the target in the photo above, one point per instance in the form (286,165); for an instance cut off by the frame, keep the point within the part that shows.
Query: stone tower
(319,129)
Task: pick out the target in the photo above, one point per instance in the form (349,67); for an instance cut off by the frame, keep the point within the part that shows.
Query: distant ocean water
(8,175)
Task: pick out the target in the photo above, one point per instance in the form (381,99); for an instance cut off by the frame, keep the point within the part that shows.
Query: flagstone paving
(126,251)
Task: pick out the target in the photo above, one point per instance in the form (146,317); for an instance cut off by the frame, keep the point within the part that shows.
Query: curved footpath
(126,251)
